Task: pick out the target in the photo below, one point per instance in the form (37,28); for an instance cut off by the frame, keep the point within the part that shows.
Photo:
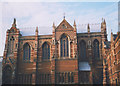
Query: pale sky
(32,13)
(59,0)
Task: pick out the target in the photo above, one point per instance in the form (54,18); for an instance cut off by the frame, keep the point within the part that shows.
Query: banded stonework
(64,57)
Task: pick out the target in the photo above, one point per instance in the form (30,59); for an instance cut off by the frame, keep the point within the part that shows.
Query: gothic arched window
(11,45)
(26,52)
(96,48)
(82,50)
(45,51)
(64,46)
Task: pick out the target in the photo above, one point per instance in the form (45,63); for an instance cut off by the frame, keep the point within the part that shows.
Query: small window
(13,30)
(72,77)
(63,26)
(68,77)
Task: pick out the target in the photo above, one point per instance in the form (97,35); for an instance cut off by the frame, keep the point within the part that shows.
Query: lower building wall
(49,72)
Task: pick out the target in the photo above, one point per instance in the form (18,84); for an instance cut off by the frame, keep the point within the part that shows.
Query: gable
(13,30)
(64,25)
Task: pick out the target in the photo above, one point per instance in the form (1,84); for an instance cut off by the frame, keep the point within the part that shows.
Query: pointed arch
(46,50)
(26,52)
(82,48)
(64,45)
(96,48)
(64,34)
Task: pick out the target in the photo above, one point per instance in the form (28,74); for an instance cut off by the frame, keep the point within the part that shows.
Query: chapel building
(64,57)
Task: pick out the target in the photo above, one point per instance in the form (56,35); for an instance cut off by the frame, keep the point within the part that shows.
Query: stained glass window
(26,50)
(11,45)
(64,46)
(82,50)
(96,48)
(45,51)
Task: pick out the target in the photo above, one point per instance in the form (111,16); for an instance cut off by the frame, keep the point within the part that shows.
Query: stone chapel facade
(64,57)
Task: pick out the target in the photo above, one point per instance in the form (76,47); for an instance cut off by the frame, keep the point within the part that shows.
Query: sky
(59,0)
(29,14)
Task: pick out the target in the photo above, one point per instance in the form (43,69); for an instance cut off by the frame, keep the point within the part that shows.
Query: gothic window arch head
(26,52)
(45,51)
(96,48)
(64,46)
(82,50)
